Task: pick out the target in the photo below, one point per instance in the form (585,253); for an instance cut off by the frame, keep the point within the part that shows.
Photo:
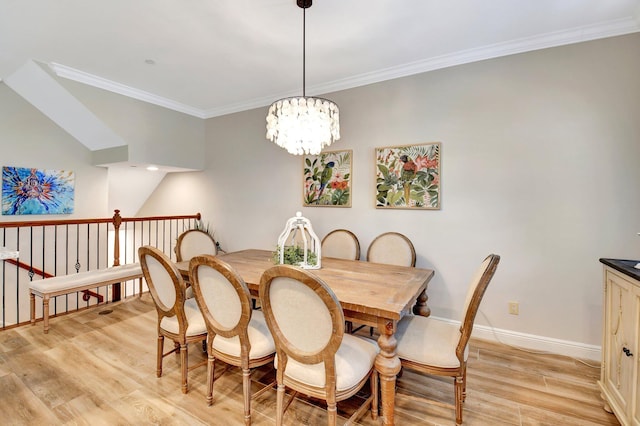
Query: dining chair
(179,319)
(237,334)
(392,248)
(313,354)
(341,244)
(440,348)
(194,242)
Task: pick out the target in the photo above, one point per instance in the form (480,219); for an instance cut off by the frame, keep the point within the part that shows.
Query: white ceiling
(213,57)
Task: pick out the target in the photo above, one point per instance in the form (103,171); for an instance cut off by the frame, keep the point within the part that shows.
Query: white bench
(65,284)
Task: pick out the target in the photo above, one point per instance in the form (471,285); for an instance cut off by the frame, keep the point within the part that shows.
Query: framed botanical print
(327,179)
(408,177)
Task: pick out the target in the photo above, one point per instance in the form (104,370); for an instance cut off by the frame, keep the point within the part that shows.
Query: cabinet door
(633,357)
(620,332)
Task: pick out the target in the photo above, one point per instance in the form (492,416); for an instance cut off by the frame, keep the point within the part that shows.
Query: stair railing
(59,247)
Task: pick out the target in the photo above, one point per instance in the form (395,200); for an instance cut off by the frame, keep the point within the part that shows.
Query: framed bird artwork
(327,179)
(408,177)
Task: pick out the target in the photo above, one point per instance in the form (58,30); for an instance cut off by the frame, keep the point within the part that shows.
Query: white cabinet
(619,377)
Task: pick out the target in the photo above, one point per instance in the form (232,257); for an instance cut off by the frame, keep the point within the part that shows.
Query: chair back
(165,283)
(304,316)
(475,292)
(392,248)
(342,244)
(222,296)
(194,242)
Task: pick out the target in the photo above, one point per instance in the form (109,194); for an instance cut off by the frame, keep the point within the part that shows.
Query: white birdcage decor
(298,244)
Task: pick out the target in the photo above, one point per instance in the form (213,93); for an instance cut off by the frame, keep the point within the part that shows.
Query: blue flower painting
(33,191)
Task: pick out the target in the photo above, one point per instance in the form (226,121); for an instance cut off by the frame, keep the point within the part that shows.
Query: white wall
(539,164)
(154,135)
(540,156)
(30,139)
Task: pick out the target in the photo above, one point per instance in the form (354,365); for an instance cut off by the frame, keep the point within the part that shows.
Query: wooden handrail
(196,216)
(116,220)
(24,224)
(99,220)
(29,268)
(42,241)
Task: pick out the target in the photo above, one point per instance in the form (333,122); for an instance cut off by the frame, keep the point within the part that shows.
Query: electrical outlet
(514,308)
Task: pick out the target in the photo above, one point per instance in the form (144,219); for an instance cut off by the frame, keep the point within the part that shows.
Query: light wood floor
(96,369)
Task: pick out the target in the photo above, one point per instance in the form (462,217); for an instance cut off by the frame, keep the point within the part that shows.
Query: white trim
(612,28)
(247,105)
(527,44)
(533,342)
(38,87)
(131,92)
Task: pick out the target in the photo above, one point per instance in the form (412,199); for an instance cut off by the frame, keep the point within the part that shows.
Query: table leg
(421,307)
(388,366)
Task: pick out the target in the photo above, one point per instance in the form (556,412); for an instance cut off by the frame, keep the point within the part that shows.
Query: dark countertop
(624,266)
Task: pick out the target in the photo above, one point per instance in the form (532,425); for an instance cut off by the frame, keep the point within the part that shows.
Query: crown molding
(131,92)
(612,28)
(526,44)
(247,105)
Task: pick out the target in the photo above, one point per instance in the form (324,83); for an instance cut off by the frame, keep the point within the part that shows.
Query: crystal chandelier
(303,124)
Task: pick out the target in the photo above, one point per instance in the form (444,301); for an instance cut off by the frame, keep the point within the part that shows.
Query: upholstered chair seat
(261,341)
(237,334)
(194,318)
(434,347)
(350,367)
(179,318)
(428,341)
(314,356)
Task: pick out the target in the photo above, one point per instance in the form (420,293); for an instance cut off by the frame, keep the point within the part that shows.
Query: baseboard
(533,342)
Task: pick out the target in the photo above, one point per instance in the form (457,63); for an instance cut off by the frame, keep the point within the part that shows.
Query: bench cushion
(87,278)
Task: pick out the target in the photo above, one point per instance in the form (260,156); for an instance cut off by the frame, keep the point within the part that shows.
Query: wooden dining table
(373,294)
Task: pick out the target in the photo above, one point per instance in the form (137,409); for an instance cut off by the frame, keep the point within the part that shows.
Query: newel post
(117,221)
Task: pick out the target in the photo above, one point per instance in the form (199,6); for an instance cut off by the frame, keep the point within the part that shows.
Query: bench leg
(32,307)
(45,313)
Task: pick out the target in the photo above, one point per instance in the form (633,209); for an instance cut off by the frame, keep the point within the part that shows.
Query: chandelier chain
(304,52)
(301,124)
